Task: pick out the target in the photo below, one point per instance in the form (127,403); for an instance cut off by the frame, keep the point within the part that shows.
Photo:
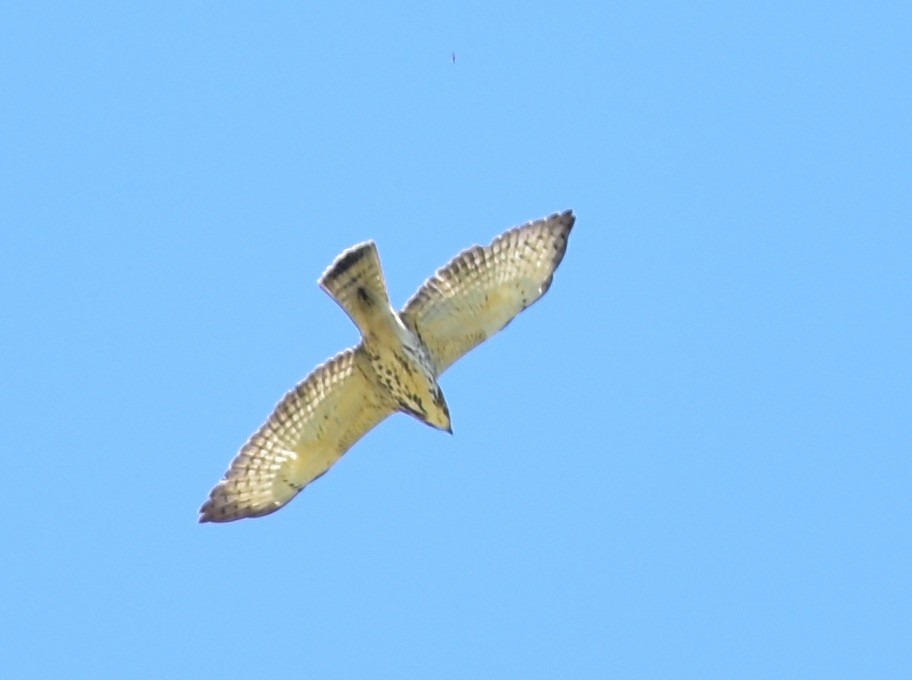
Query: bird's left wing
(483,288)
(310,429)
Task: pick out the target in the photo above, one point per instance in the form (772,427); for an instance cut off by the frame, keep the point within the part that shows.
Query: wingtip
(567,218)
(213,511)
(562,220)
(204,515)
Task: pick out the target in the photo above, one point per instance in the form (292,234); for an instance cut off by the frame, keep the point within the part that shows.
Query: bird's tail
(355,281)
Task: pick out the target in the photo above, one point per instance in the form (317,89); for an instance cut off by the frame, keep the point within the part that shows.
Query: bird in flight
(396,365)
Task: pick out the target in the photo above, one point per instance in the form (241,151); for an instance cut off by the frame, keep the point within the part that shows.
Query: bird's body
(402,367)
(396,365)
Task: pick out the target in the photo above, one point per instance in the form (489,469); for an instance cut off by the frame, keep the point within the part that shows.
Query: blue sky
(690,459)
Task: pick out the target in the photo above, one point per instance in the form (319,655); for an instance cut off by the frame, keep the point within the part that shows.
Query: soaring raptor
(396,365)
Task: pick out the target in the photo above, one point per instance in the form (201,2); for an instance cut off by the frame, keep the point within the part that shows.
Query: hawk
(396,365)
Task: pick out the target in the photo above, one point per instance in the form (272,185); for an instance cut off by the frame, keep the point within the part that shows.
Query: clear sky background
(690,459)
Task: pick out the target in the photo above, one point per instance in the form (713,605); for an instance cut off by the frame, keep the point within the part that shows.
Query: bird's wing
(310,429)
(483,288)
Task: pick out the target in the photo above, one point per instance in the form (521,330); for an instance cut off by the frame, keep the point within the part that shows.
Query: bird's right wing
(482,289)
(310,429)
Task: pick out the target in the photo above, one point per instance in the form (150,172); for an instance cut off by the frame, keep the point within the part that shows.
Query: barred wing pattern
(483,288)
(310,429)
